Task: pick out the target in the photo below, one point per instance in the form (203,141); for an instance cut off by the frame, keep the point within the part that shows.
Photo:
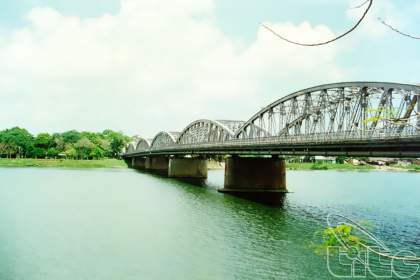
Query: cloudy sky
(142,66)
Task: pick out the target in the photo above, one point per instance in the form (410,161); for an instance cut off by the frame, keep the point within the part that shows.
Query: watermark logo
(363,255)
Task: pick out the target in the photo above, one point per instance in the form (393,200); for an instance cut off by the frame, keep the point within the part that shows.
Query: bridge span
(350,119)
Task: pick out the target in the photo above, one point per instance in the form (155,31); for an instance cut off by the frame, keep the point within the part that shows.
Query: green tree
(84,148)
(71,136)
(38,152)
(42,143)
(117,142)
(52,153)
(97,153)
(44,140)
(70,152)
(19,141)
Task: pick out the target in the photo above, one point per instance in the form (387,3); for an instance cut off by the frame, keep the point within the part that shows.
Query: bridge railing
(310,139)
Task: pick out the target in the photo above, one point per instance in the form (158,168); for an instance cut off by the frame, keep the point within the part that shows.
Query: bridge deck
(351,118)
(397,147)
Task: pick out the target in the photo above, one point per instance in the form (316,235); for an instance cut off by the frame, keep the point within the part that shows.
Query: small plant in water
(339,236)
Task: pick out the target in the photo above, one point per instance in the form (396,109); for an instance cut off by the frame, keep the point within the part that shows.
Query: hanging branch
(396,30)
(359,6)
(326,42)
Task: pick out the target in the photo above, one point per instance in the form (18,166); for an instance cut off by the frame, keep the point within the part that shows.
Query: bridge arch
(208,131)
(130,148)
(143,145)
(164,139)
(347,110)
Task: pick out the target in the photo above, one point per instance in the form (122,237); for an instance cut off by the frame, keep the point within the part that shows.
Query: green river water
(68,224)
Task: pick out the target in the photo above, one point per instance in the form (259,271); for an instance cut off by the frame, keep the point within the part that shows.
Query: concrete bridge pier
(138,163)
(259,179)
(195,168)
(129,162)
(157,164)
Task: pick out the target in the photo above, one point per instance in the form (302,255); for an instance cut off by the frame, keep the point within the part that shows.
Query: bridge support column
(187,168)
(259,179)
(157,164)
(418,110)
(129,162)
(139,163)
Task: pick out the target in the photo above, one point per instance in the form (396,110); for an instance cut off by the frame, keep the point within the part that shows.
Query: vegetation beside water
(415,168)
(66,163)
(326,166)
(19,143)
(116,163)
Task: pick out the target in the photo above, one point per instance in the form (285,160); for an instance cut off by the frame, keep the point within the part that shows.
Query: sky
(145,66)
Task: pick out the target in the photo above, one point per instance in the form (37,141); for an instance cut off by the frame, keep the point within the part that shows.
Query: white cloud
(371,28)
(156,65)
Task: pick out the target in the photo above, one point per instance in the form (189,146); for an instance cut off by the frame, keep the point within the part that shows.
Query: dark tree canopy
(18,142)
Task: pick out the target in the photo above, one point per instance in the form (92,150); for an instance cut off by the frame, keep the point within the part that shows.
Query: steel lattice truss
(164,139)
(354,111)
(130,148)
(346,110)
(207,131)
(143,145)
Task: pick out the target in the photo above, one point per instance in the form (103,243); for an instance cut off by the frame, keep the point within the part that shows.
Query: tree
(70,152)
(97,153)
(117,141)
(84,148)
(71,136)
(43,142)
(38,152)
(19,141)
(52,153)
(59,143)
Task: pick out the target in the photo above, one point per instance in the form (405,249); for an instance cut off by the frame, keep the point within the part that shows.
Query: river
(59,224)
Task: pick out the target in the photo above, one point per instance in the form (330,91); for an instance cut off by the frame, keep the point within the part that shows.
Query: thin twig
(326,42)
(360,5)
(396,30)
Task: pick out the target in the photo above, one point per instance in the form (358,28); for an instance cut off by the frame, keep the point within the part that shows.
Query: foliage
(326,166)
(65,163)
(16,142)
(319,166)
(340,236)
(341,159)
(19,143)
(415,168)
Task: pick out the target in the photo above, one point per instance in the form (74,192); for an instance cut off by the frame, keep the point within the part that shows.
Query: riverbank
(212,165)
(347,166)
(66,163)
(326,166)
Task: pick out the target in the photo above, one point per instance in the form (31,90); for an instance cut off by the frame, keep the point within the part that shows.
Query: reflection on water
(123,224)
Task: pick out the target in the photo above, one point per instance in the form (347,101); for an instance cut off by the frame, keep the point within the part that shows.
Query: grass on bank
(412,168)
(115,163)
(69,163)
(326,166)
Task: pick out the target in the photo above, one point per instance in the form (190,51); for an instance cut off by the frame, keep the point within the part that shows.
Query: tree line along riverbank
(212,165)
(19,143)
(63,163)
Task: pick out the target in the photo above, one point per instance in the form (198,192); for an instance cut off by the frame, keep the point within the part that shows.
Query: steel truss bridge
(351,119)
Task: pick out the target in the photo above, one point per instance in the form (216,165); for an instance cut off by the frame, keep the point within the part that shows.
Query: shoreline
(212,165)
(62,163)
